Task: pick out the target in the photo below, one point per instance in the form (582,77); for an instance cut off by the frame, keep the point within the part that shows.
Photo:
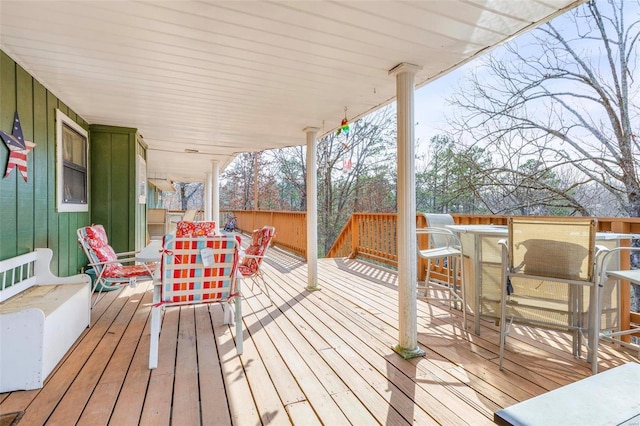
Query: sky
(431,107)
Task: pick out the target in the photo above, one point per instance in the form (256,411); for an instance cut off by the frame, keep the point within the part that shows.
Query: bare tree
(188,195)
(346,164)
(564,96)
(248,175)
(291,172)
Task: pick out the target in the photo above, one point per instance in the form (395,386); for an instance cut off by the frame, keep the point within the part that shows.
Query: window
(72,168)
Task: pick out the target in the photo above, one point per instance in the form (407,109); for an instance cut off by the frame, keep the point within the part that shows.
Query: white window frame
(63,120)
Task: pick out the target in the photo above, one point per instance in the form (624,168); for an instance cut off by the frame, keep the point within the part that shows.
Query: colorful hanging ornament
(344,125)
(18,148)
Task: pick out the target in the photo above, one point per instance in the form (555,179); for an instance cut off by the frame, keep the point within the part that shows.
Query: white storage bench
(41,317)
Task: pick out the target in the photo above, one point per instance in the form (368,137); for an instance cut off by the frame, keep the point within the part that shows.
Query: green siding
(28,217)
(113,186)
(24,98)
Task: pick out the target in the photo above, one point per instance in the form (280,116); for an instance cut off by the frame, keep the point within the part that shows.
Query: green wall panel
(25,190)
(113,186)
(28,216)
(40,166)
(8,186)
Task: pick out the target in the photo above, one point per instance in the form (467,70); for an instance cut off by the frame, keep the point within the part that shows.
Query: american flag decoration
(18,148)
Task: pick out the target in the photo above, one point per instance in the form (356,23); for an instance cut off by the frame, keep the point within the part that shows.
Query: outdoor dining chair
(107,264)
(443,246)
(251,263)
(606,328)
(196,270)
(548,272)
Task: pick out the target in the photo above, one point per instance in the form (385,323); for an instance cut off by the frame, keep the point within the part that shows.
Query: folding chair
(197,270)
(611,331)
(444,246)
(108,265)
(251,264)
(548,271)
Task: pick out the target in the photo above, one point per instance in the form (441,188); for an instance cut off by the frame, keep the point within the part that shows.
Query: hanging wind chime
(344,129)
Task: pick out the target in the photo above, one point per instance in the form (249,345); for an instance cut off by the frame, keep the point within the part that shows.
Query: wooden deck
(311,358)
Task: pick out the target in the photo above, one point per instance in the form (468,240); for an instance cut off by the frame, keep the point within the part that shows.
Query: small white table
(151,253)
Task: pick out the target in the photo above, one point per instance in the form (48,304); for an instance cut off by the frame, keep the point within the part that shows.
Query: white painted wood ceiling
(224,77)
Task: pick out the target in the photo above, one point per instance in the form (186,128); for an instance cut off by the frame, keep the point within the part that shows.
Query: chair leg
(239,334)
(427,279)
(154,337)
(503,308)
(265,285)
(462,291)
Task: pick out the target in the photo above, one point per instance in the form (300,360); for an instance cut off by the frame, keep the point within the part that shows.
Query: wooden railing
(291,227)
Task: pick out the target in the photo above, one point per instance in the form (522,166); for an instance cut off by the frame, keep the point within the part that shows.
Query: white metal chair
(107,264)
(197,270)
(444,245)
(548,270)
(611,331)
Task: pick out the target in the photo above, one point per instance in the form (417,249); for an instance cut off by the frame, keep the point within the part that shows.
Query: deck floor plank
(241,406)
(215,410)
(263,389)
(101,403)
(130,402)
(186,398)
(320,357)
(159,398)
(276,326)
(76,397)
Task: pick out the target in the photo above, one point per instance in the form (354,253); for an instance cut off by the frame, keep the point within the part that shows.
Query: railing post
(423,242)
(625,287)
(355,225)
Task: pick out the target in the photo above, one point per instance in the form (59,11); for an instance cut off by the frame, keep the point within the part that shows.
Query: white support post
(208,194)
(407,345)
(312,209)
(215,195)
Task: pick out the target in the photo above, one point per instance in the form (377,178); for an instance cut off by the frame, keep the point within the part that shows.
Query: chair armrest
(128,253)
(603,256)
(450,236)
(252,256)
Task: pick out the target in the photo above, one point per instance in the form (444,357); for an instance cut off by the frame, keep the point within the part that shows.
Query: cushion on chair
(128,271)
(195,229)
(260,239)
(96,238)
(249,266)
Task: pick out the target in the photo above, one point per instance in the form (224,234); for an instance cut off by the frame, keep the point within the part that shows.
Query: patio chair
(548,270)
(444,246)
(251,263)
(197,270)
(606,293)
(107,264)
